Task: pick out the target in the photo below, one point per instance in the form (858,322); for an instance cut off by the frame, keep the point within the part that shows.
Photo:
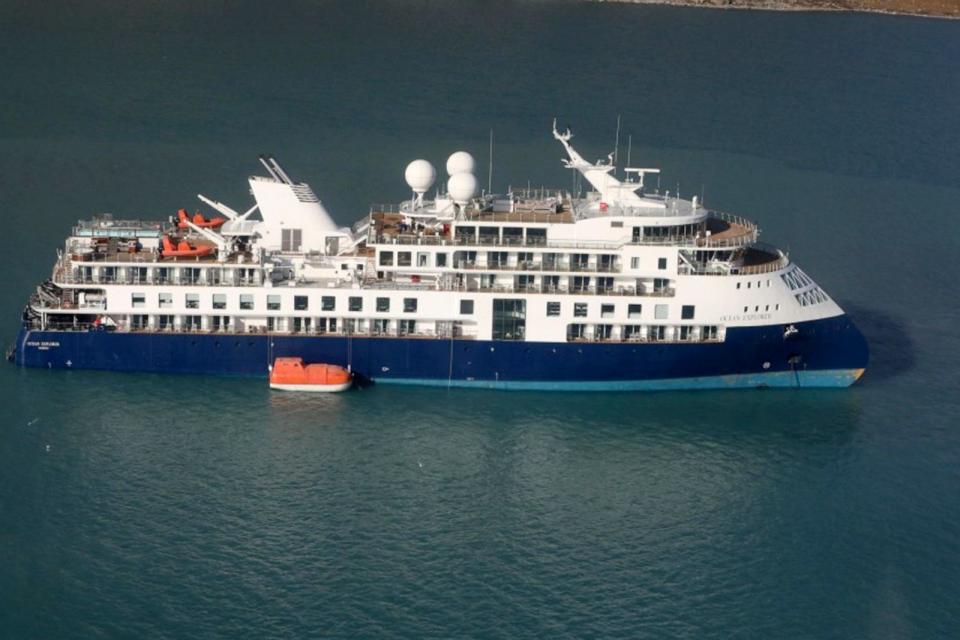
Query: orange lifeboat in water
(290,374)
(183,249)
(198,220)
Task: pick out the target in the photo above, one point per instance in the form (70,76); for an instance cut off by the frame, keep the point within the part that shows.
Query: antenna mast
(490,167)
(616,145)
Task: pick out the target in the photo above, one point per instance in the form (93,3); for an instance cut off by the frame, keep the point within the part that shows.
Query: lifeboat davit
(198,220)
(290,374)
(183,249)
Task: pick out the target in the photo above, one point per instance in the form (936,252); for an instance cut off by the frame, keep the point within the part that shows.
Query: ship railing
(537,267)
(729,269)
(461,241)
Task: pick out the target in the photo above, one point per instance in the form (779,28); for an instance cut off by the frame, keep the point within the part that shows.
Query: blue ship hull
(824,353)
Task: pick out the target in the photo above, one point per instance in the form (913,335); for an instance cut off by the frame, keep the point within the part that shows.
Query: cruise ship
(608,285)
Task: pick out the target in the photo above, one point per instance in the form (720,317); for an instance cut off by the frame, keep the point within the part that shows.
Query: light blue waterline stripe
(832,378)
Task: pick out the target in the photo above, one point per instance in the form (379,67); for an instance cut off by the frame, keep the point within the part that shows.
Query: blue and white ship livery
(620,287)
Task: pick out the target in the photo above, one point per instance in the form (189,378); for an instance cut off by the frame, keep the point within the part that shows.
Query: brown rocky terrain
(939,8)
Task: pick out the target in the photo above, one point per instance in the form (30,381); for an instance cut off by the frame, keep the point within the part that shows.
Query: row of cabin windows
(766,307)
(405,259)
(300,303)
(654,333)
(749,283)
(661,311)
(500,259)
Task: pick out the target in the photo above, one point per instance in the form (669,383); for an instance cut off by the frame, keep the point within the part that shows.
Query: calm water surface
(155,506)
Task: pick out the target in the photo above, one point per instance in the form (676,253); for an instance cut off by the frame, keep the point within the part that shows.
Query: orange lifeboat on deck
(183,249)
(290,374)
(198,220)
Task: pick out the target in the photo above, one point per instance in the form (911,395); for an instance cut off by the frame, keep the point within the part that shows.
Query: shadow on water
(892,349)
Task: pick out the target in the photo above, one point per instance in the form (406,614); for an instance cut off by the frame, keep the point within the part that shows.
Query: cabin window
(406,327)
(441,259)
(409,305)
(383,305)
(509,319)
(386,258)
(138,300)
(328,303)
(466,307)
(606,310)
(686,312)
(300,303)
(633,310)
(635,262)
(616,224)
(193,301)
(660,312)
(738,285)
(273,303)
(662,263)
(580,310)
(403,258)
(165,300)
(661,285)
(423,259)
(246,302)
(553,309)
(355,303)
(219,301)
(291,239)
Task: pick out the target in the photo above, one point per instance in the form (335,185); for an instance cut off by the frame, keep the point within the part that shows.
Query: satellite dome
(420,175)
(459,162)
(462,187)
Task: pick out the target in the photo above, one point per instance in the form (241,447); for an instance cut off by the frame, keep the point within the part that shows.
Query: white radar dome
(462,187)
(459,162)
(420,175)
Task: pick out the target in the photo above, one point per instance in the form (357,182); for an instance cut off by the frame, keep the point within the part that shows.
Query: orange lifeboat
(198,220)
(290,374)
(183,249)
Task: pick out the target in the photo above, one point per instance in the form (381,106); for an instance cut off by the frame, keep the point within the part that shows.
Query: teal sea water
(153,506)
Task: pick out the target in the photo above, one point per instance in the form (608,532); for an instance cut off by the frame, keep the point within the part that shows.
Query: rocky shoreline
(922,8)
